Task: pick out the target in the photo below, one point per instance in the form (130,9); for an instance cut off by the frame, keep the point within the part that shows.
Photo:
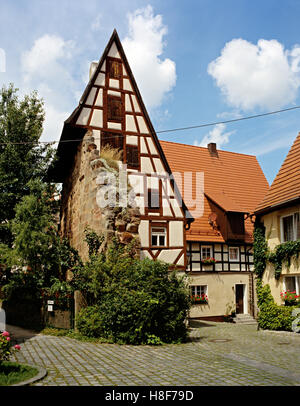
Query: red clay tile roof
(286,185)
(234,181)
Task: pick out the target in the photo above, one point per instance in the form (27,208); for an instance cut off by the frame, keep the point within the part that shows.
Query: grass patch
(12,373)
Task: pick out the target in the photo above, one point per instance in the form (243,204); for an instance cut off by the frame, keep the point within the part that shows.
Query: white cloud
(97,24)
(46,68)
(53,124)
(144,47)
(263,75)
(217,135)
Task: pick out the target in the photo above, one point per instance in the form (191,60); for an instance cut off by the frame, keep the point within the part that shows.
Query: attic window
(115,69)
(236,223)
(114,109)
(132,156)
(115,140)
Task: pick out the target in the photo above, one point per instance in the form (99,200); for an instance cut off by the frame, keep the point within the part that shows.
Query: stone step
(244,319)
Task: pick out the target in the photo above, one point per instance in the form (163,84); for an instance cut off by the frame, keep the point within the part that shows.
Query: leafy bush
(138,301)
(274,317)
(89,322)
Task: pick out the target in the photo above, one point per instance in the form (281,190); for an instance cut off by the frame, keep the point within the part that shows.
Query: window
(115,140)
(290,227)
(206,251)
(158,236)
(198,290)
(115,69)
(132,156)
(292,284)
(234,254)
(236,223)
(153,199)
(114,109)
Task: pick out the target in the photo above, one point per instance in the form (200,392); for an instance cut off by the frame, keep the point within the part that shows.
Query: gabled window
(132,156)
(114,109)
(290,227)
(158,236)
(115,69)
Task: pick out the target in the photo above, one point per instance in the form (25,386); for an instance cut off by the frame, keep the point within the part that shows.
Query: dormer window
(236,223)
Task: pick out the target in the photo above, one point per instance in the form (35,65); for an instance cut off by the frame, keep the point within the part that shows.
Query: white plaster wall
(99,99)
(84,116)
(97,118)
(130,123)
(113,52)
(91,96)
(142,125)
(146,165)
(144,233)
(168,256)
(176,233)
(100,81)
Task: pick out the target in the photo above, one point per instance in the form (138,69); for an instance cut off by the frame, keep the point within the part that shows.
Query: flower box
(199,299)
(290,298)
(209,261)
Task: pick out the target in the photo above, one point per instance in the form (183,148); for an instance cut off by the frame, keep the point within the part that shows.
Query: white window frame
(294,226)
(159,234)
(238,254)
(206,246)
(200,290)
(297,283)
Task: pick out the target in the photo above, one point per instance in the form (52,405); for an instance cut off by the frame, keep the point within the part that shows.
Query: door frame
(245,297)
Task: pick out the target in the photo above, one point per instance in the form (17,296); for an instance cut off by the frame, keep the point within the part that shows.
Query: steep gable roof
(285,188)
(72,131)
(235,182)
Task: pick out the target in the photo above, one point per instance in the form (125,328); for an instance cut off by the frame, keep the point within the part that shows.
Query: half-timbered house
(111,112)
(220,240)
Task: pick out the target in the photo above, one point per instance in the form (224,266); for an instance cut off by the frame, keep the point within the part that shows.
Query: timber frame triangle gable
(92,110)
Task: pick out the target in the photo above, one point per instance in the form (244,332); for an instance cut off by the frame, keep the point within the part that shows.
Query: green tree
(132,301)
(21,158)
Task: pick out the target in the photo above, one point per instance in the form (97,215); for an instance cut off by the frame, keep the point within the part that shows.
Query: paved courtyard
(217,354)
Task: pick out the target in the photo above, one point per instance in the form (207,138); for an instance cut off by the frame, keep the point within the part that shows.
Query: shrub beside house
(277,245)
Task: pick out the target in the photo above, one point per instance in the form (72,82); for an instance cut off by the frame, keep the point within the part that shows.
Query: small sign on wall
(50,304)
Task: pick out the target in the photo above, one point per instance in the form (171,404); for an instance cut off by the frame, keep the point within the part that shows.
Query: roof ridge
(205,148)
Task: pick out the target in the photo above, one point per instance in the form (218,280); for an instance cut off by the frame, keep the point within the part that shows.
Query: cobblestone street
(217,354)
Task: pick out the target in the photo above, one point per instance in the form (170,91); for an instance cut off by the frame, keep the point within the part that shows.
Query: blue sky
(195,62)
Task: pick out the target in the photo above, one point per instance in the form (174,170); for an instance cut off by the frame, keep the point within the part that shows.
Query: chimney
(212,149)
(93,67)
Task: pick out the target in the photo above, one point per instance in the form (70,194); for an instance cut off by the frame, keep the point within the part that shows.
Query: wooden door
(239,298)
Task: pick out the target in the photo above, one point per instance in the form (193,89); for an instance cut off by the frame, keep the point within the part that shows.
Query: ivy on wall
(260,249)
(283,254)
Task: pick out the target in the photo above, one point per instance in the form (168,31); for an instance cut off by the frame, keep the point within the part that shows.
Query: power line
(166,131)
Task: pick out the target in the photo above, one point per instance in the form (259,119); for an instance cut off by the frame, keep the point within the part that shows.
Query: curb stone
(42,372)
